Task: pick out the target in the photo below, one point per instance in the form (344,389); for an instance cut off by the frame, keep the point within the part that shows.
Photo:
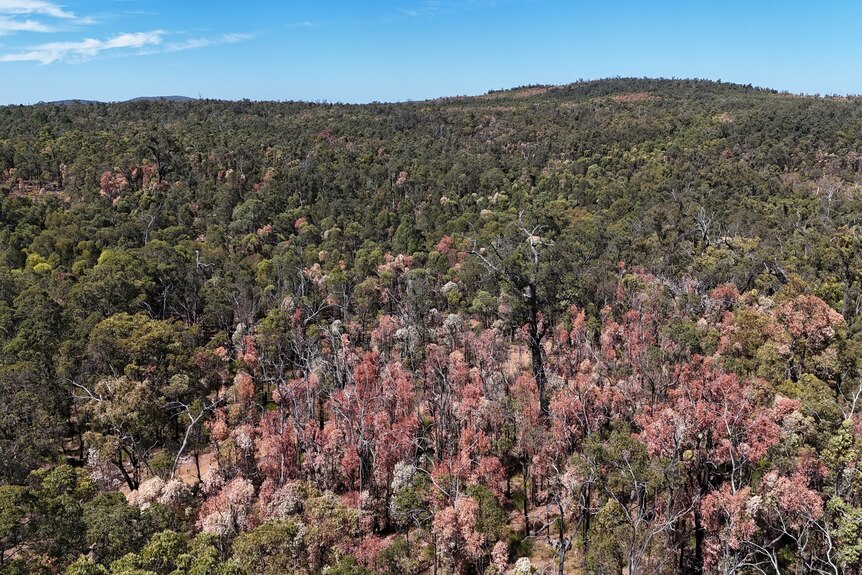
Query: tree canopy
(606,327)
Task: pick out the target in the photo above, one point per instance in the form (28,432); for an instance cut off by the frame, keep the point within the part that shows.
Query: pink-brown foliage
(229,511)
(276,453)
(373,421)
(709,413)
(809,320)
(455,530)
(728,522)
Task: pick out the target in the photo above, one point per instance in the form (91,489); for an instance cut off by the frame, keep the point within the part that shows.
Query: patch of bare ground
(544,536)
(517,361)
(187,471)
(517,93)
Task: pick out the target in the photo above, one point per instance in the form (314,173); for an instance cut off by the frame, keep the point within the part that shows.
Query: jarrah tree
(526,262)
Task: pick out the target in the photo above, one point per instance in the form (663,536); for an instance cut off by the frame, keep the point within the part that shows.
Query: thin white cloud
(10,25)
(35,7)
(85,49)
(305,24)
(432,8)
(194,43)
(234,37)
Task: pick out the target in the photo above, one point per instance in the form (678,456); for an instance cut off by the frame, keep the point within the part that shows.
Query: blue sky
(388,50)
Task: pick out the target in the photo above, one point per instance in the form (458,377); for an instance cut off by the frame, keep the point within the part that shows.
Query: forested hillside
(610,327)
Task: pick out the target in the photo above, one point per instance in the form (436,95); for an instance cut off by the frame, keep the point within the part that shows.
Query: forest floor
(542,551)
(187,471)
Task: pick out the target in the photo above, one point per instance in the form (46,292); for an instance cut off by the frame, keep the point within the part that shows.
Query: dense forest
(610,327)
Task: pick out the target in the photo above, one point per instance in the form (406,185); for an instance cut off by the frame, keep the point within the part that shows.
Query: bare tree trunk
(526,497)
(536,351)
(564,543)
(699,535)
(197,455)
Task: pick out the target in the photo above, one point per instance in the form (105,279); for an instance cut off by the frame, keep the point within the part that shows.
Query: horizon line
(581,81)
